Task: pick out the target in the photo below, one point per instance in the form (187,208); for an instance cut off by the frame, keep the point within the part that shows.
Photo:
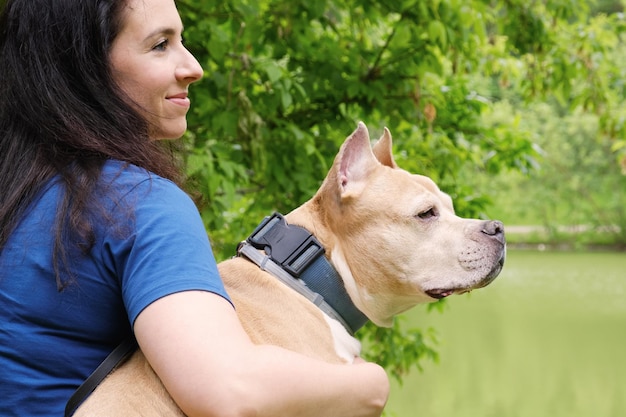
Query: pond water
(547,338)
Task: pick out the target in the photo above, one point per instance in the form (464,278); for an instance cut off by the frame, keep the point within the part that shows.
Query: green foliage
(286,81)
(577,194)
(398,349)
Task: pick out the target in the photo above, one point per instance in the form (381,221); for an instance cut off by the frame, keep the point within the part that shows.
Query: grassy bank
(577,238)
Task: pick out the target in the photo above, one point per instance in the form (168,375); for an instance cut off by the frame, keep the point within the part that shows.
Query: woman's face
(151,65)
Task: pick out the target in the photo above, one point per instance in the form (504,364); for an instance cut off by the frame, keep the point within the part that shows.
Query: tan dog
(393,239)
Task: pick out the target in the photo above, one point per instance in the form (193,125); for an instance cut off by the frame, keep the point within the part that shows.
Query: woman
(97,240)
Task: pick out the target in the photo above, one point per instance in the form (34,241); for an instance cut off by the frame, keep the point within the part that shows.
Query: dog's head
(393,236)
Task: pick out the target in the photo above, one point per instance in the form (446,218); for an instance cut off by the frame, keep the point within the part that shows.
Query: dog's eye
(428,214)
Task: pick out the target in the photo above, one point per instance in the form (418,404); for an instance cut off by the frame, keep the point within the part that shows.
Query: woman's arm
(195,343)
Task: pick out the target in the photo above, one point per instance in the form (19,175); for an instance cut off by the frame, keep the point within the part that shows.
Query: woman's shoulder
(126,177)
(115,171)
(132,187)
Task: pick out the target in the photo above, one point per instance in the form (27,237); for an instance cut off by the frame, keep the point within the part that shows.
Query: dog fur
(392,236)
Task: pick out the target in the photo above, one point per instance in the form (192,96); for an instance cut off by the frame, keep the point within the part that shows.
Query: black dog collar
(298,257)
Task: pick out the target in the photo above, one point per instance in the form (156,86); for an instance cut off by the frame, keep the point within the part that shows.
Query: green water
(547,338)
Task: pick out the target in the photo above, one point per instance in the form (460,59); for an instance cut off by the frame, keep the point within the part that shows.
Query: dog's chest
(346,346)
(272,313)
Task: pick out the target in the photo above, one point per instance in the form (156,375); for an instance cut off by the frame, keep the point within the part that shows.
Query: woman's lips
(180,100)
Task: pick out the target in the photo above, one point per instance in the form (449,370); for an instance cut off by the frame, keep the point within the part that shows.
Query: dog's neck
(322,278)
(293,255)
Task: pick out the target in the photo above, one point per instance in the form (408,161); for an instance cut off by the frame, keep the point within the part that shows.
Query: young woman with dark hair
(97,240)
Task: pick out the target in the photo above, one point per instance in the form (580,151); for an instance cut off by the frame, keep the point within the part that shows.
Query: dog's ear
(356,161)
(383,151)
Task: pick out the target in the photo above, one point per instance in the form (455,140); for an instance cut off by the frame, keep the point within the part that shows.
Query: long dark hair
(61,114)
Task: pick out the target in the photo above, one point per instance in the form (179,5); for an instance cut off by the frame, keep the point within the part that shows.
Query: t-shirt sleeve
(164,250)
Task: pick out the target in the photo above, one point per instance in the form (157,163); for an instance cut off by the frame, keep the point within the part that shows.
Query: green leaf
(437,33)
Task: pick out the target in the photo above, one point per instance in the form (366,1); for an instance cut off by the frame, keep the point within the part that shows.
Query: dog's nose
(495,229)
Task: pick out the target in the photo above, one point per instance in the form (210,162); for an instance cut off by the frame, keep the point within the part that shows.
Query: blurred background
(515,108)
(546,339)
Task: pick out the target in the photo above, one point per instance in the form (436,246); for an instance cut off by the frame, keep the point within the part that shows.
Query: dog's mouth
(439,293)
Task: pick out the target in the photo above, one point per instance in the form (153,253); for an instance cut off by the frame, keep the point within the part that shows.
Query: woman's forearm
(281,383)
(197,346)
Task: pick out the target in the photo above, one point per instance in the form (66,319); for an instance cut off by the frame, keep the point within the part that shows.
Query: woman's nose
(190,69)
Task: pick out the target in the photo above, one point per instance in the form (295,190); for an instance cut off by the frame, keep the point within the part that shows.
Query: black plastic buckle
(292,247)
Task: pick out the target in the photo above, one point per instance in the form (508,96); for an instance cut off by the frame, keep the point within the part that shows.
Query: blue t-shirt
(150,242)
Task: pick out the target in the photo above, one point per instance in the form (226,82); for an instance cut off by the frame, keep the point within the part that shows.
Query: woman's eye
(427,214)
(161,46)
